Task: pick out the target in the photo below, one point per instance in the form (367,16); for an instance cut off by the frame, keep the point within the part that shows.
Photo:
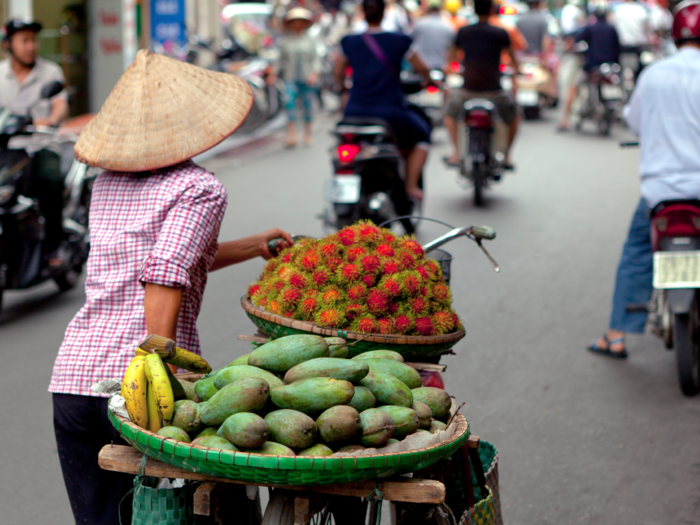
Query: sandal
(593,347)
(452,163)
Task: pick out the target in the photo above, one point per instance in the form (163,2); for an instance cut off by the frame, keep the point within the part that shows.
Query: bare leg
(414,165)
(291,135)
(308,139)
(567,108)
(612,335)
(512,132)
(451,127)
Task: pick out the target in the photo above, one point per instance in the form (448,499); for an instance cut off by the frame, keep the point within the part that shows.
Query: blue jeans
(294,91)
(635,273)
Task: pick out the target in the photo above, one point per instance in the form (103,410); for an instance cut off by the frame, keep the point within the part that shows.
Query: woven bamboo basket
(283,470)
(276,326)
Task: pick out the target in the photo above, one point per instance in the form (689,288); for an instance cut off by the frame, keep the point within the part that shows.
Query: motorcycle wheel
(68,279)
(687,352)
(531,112)
(479,176)
(1,291)
(605,124)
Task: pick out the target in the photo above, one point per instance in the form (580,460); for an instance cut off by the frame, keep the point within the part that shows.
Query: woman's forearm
(233,252)
(162,308)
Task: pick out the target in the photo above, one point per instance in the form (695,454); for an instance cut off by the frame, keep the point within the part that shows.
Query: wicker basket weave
(276,326)
(281,470)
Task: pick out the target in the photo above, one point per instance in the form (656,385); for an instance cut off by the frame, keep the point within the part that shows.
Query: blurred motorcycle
(599,98)
(534,84)
(431,98)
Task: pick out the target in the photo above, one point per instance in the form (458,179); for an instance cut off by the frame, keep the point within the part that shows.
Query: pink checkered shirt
(159,228)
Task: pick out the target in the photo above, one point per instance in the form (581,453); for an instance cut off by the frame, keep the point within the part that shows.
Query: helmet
(19,24)
(686,21)
(600,9)
(452,6)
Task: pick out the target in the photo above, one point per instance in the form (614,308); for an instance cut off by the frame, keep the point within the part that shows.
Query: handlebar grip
(274,244)
(629,144)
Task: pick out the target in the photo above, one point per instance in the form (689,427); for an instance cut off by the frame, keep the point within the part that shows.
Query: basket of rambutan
(362,283)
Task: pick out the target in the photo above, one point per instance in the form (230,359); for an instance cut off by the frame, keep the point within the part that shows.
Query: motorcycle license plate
(677,270)
(527,97)
(344,189)
(611,92)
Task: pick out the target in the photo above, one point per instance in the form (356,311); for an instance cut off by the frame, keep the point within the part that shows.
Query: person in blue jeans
(375,58)
(299,66)
(665,113)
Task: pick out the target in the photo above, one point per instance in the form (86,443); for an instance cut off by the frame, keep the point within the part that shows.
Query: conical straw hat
(162,112)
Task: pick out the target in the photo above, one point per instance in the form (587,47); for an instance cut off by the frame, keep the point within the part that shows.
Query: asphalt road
(581,439)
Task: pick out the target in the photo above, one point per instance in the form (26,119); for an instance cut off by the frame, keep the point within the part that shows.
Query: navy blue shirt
(373,82)
(603,44)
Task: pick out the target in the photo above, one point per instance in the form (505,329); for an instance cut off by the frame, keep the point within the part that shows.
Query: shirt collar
(691,49)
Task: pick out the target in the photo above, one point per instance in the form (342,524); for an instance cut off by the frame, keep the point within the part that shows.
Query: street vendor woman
(154,223)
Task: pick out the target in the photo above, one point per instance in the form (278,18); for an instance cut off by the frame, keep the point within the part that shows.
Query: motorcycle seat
(367,127)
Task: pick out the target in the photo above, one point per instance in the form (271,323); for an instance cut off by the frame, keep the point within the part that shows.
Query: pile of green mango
(300,395)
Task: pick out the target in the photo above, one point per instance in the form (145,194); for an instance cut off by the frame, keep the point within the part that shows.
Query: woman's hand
(275,233)
(233,252)
(313,78)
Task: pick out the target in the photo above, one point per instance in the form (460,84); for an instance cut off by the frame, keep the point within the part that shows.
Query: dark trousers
(47,187)
(82,429)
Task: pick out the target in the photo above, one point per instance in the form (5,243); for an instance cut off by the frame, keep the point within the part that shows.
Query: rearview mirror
(51,89)
(484,232)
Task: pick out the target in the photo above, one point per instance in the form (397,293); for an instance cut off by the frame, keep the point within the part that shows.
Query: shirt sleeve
(190,226)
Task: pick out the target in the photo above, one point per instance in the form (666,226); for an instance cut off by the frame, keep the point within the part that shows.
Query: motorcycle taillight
(432,89)
(348,152)
(478,119)
(675,220)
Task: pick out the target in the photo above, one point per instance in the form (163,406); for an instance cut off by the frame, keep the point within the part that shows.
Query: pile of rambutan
(362,278)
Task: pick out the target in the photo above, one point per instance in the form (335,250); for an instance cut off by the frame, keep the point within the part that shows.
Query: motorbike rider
(663,112)
(432,37)
(534,27)
(603,47)
(452,16)
(481,45)
(632,21)
(22,76)
(375,58)
(572,17)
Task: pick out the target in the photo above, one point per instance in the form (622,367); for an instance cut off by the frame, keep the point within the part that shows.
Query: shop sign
(168,21)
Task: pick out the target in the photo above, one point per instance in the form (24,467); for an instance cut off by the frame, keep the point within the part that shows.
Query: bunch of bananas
(149,388)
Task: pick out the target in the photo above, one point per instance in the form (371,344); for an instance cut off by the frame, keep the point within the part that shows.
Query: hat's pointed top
(161,112)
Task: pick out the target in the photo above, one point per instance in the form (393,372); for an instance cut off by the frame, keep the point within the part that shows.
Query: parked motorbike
(599,98)
(23,259)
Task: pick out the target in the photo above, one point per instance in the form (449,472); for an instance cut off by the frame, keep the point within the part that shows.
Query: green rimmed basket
(280,470)
(276,326)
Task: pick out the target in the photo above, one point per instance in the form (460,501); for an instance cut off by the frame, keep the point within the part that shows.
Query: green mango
(349,449)
(437,426)
(319,449)
(245,395)
(344,369)
(209,431)
(282,354)
(188,388)
(437,399)
(387,389)
(393,441)
(270,448)
(236,372)
(380,354)
(291,428)
(244,430)
(186,416)
(405,419)
(338,424)
(409,376)
(215,442)
(205,389)
(377,427)
(425,415)
(243,360)
(313,396)
(363,399)
(174,433)
(337,347)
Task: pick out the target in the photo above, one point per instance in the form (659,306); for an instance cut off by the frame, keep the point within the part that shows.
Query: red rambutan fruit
(289,313)
(442,322)
(406,260)
(332,295)
(412,246)
(424,326)
(384,250)
(434,269)
(298,280)
(354,253)
(271,266)
(365,325)
(274,307)
(357,292)
(418,306)
(253,289)
(347,236)
(286,257)
(307,308)
(328,249)
(368,233)
(321,276)
(289,297)
(410,282)
(262,302)
(387,237)
(403,324)
(390,286)
(354,310)
(333,263)
(310,261)
(348,273)
(311,292)
(441,293)
(456,321)
(285,271)
(330,317)
(377,302)
(391,267)
(370,264)
(278,285)
(369,280)
(423,272)
(424,292)
(386,325)
(393,307)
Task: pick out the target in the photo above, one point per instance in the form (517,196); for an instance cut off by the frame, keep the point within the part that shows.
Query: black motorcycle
(23,259)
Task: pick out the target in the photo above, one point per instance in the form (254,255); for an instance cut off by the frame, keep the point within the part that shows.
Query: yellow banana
(134,389)
(189,361)
(162,389)
(154,421)
(141,352)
